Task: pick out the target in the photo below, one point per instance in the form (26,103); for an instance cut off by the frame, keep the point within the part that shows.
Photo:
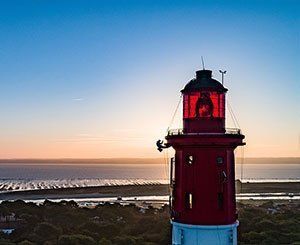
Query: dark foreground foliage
(65,223)
(270,223)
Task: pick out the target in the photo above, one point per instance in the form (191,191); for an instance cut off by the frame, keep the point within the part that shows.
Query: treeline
(270,223)
(65,223)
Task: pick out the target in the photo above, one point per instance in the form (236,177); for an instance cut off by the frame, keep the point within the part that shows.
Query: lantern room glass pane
(204,104)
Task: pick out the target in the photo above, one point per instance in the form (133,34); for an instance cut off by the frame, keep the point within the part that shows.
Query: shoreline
(88,192)
(82,161)
(290,188)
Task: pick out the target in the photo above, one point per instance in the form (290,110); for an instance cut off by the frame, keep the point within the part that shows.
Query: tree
(124,240)
(105,241)
(46,232)
(26,242)
(76,240)
(4,211)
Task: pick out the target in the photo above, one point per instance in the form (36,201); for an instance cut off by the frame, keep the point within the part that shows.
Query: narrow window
(220,160)
(172,172)
(190,159)
(189,200)
(220,200)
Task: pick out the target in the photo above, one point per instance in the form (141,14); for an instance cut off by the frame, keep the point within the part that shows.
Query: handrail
(180,131)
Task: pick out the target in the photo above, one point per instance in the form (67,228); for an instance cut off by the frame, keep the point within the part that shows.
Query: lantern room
(204,104)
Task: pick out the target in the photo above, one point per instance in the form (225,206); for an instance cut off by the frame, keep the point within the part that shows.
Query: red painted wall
(211,183)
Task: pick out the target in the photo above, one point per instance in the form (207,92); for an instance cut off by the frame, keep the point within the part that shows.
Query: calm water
(86,171)
(46,176)
(268,171)
(134,171)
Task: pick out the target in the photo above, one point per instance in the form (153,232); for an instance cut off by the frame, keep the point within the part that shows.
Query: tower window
(220,160)
(172,172)
(190,159)
(189,200)
(220,200)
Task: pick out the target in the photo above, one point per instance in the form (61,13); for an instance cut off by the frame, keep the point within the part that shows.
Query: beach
(264,189)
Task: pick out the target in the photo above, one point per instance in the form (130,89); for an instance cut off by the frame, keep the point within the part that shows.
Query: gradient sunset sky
(92,79)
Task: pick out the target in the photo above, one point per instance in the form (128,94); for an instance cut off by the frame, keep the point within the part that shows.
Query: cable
(231,115)
(166,154)
(168,164)
(235,121)
(175,112)
(165,165)
(242,168)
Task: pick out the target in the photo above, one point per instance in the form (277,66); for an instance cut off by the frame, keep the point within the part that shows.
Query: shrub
(76,240)
(124,240)
(105,241)
(46,232)
(26,242)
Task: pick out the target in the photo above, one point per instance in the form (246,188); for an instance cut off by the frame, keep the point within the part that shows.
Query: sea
(29,176)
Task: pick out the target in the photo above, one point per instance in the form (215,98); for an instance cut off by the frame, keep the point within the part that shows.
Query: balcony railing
(180,131)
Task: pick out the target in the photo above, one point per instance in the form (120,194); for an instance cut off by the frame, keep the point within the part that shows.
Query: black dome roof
(203,81)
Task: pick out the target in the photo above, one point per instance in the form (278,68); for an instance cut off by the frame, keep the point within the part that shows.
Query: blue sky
(102,78)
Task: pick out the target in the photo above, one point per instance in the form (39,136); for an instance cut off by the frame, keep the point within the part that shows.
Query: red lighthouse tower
(203,206)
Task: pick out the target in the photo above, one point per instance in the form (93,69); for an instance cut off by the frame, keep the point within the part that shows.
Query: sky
(93,79)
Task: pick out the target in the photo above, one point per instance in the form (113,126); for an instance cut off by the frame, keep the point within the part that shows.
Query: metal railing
(180,131)
(233,131)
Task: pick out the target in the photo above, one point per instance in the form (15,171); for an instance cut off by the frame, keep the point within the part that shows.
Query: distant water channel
(154,200)
(51,176)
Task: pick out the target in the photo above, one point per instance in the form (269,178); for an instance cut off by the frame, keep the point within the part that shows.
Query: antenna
(223,73)
(202,63)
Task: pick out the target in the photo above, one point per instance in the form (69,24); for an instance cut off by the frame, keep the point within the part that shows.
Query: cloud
(78,99)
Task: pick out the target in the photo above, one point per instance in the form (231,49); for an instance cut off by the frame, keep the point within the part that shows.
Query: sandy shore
(138,190)
(268,187)
(88,192)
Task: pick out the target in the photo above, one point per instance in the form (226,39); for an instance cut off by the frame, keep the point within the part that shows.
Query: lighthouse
(202,173)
